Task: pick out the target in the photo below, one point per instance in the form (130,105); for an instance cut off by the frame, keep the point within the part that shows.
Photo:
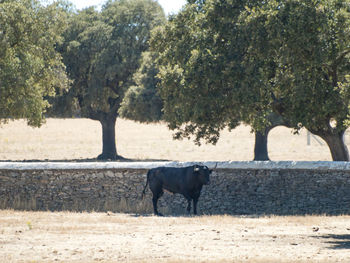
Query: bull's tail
(144,189)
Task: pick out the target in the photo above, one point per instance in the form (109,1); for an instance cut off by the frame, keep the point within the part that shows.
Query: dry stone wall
(237,188)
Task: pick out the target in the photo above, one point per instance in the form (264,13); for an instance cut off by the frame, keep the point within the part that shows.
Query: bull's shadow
(336,241)
(164,215)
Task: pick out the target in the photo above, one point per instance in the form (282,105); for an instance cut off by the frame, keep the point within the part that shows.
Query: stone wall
(283,188)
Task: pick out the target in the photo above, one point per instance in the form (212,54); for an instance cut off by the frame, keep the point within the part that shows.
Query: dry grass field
(107,237)
(72,139)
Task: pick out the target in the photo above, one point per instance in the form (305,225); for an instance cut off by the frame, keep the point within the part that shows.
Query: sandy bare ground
(70,139)
(108,237)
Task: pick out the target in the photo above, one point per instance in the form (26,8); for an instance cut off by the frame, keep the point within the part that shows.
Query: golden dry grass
(108,237)
(69,139)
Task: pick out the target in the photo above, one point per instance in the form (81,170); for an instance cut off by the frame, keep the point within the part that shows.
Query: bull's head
(203,173)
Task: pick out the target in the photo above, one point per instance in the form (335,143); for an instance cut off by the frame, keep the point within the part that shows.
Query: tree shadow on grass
(86,160)
(337,241)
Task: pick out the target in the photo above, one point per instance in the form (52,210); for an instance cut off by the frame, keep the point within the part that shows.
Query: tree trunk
(335,142)
(260,147)
(109,149)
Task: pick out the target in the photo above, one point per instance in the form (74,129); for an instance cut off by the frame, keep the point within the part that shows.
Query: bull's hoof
(159,214)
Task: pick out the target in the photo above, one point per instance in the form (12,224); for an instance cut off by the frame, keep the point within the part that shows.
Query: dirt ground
(81,139)
(107,237)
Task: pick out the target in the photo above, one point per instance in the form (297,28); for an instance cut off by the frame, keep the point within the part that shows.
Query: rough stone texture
(283,188)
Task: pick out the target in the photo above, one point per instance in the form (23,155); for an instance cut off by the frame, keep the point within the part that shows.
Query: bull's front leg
(189,199)
(195,201)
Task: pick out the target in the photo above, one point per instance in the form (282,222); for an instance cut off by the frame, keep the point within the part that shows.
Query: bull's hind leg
(195,202)
(156,196)
(189,205)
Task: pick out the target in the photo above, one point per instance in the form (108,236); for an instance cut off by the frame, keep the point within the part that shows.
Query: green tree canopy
(102,51)
(142,101)
(197,98)
(300,51)
(30,67)
(201,53)
(222,62)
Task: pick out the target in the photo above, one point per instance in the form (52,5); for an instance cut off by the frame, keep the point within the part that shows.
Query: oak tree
(102,52)
(300,51)
(200,55)
(222,62)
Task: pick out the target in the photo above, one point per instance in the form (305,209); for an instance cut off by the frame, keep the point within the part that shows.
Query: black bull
(187,181)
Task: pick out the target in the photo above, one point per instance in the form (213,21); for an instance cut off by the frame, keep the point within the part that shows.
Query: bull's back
(171,179)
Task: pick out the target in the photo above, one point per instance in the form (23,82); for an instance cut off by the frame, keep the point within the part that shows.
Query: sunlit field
(108,237)
(72,139)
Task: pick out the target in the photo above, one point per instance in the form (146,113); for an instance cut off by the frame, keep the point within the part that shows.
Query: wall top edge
(252,165)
